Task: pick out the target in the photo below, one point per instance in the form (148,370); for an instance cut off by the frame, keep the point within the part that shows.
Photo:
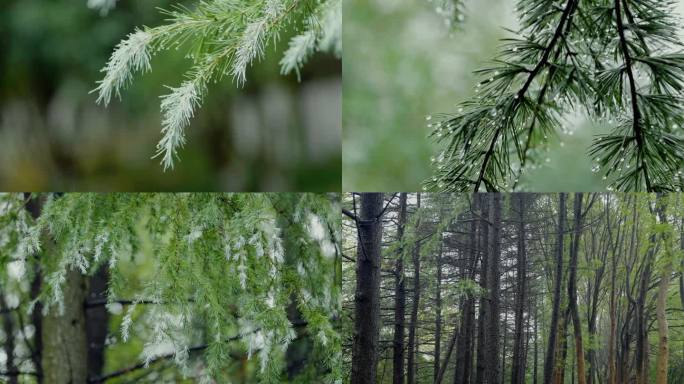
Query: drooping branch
(636,113)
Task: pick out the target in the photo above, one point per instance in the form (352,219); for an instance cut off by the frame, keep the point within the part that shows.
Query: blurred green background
(273,134)
(403,63)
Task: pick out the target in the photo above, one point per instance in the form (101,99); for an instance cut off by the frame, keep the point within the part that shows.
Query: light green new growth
(222,37)
(235,263)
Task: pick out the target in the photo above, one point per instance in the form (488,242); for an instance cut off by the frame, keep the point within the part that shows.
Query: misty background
(402,63)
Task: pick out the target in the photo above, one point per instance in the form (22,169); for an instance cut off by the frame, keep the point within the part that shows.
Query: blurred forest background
(403,63)
(273,134)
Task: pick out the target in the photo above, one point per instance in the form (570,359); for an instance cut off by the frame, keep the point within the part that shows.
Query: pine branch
(633,93)
(221,38)
(582,63)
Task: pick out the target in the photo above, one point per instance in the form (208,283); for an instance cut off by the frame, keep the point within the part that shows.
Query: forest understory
(513,288)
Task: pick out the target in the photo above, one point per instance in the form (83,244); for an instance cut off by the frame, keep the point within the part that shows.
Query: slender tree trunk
(536,344)
(35,207)
(367,294)
(504,328)
(550,361)
(562,350)
(663,350)
(8,330)
(484,303)
(412,349)
(641,333)
(612,379)
(399,299)
(464,357)
(450,349)
(572,291)
(65,348)
(665,277)
(438,316)
(493,372)
(518,370)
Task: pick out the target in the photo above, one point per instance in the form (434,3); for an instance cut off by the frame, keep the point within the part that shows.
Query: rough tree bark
(65,349)
(550,360)
(572,290)
(97,322)
(412,349)
(367,294)
(399,299)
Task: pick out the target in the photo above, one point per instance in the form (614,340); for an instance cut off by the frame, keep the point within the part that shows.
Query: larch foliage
(222,38)
(227,270)
(618,62)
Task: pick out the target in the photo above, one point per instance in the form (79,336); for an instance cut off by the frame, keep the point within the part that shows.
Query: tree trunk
(65,348)
(484,303)
(518,370)
(665,277)
(399,299)
(536,344)
(444,364)
(8,330)
(572,291)
(550,361)
(97,322)
(438,316)
(412,349)
(641,319)
(35,207)
(367,294)
(464,357)
(493,373)
(612,378)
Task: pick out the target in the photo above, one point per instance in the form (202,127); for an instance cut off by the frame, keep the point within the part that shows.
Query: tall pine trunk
(550,361)
(484,302)
(399,299)
(412,349)
(367,294)
(35,207)
(438,316)
(612,336)
(572,290)
(492,361)
(661,301)
(464,357)
(518,370)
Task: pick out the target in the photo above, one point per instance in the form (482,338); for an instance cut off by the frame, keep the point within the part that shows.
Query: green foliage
(576,57)
(221,38)
(234,263)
